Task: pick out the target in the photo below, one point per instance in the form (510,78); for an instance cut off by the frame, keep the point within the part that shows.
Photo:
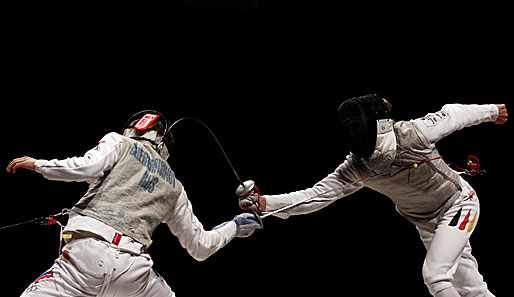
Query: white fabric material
(151,135)
(181,220)
(346,178)
(228,230)
(199,243)
(453,117)
(449,265)
(385,147)
(79,225)
(95,266)
(91,267)
(87,168)
(92,264)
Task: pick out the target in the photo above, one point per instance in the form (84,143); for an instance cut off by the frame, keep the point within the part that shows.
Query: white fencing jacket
(422,193)
(132,189)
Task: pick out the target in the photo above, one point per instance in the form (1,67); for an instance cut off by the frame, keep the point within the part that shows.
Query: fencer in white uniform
(132,189)
(400,160)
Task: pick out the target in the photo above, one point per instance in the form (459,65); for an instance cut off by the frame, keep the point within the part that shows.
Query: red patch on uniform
(117,238)
(66,255)
(466,220)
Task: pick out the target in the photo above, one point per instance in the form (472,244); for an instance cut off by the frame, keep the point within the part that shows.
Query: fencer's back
(135,195)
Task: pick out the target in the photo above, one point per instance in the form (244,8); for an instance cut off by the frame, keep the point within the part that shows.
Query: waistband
(80,226)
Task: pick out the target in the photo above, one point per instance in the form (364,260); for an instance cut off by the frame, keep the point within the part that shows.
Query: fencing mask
(150,125)
(359,118)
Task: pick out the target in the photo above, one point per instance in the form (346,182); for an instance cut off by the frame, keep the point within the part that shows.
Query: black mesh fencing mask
(359,117)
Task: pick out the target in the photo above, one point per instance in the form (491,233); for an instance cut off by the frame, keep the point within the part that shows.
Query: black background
(267,78)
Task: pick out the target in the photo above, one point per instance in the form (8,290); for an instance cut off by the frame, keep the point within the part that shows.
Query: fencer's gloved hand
(246,224)
(251,200)
(242,225)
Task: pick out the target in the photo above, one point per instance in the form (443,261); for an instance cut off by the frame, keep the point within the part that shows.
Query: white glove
(250,197)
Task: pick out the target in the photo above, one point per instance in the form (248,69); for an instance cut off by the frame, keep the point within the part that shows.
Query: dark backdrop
(267,78)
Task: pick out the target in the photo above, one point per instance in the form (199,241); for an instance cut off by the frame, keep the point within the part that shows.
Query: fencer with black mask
(400,160)
(132,189)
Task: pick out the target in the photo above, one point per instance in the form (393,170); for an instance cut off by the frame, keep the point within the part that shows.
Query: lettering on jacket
(155,166)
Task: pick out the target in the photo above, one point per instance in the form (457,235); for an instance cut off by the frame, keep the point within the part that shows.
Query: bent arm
(453,117)
(87,168)
(200,244)
(342,182)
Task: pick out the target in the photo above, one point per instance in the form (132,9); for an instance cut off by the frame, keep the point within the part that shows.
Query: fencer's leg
(135,276)
(445,246)
(44,285)
(79,271)
(157,286)
(449,292)
(439,265)
(55,282)
(467,280)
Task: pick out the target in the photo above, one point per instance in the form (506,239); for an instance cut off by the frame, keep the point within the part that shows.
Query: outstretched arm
(198,242)
(453,117)
(87,168)
(345,180)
